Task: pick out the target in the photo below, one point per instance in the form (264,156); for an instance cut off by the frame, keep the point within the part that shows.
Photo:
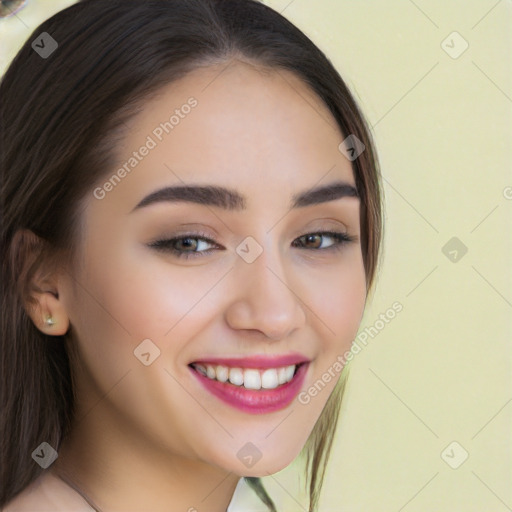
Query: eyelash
(165,245)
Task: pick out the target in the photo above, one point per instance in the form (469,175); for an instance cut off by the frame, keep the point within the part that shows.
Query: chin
(250,461)
(261,469)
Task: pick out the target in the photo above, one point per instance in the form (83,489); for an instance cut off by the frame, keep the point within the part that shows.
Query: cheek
(132,297)
(142,297)
(337,301)
(124,301)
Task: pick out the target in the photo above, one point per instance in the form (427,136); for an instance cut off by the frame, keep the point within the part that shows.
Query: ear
(40,284)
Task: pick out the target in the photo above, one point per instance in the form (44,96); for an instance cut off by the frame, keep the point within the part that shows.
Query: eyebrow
(231,199)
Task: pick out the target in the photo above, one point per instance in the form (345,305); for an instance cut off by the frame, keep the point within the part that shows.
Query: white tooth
(269,379)
(289,372)
(210,371)
(200,368)
(281,375)
(236,376)
(252,379)
(222,373)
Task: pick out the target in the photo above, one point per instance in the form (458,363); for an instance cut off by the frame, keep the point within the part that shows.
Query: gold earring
(49,321)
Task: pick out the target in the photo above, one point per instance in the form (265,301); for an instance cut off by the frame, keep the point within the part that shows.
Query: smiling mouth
(248,378)
(255,385)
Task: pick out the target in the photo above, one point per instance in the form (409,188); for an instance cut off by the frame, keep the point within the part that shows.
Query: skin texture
(150,436)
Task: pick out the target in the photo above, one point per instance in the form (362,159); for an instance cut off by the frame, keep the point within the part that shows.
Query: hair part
(61,118)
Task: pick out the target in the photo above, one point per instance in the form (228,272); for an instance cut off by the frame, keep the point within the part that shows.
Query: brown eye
(186,246)
(314,241)
(186,243)
(196,244)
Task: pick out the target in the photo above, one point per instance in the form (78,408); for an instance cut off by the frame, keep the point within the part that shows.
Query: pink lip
(256,361)
(255,401)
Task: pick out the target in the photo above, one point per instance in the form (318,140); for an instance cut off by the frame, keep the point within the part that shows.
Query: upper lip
(256,361)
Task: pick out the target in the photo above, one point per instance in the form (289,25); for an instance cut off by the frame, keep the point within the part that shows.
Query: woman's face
(255,287)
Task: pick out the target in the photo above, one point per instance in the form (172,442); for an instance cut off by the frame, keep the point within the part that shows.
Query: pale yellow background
(440,371)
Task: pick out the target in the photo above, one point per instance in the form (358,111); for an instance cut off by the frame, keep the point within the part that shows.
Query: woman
(191,225)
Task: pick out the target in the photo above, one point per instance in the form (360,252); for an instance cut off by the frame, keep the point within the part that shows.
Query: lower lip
(255,401)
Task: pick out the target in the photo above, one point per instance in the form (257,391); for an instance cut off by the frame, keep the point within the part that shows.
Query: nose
(265,298)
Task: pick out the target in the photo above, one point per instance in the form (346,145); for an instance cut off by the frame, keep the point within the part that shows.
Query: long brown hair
(60,117)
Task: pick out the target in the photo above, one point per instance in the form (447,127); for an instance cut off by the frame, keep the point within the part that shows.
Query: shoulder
(47,493)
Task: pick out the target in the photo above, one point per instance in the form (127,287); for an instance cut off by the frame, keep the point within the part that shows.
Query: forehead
(262,131)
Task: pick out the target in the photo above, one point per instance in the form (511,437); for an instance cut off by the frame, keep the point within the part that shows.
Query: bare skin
(150,437)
